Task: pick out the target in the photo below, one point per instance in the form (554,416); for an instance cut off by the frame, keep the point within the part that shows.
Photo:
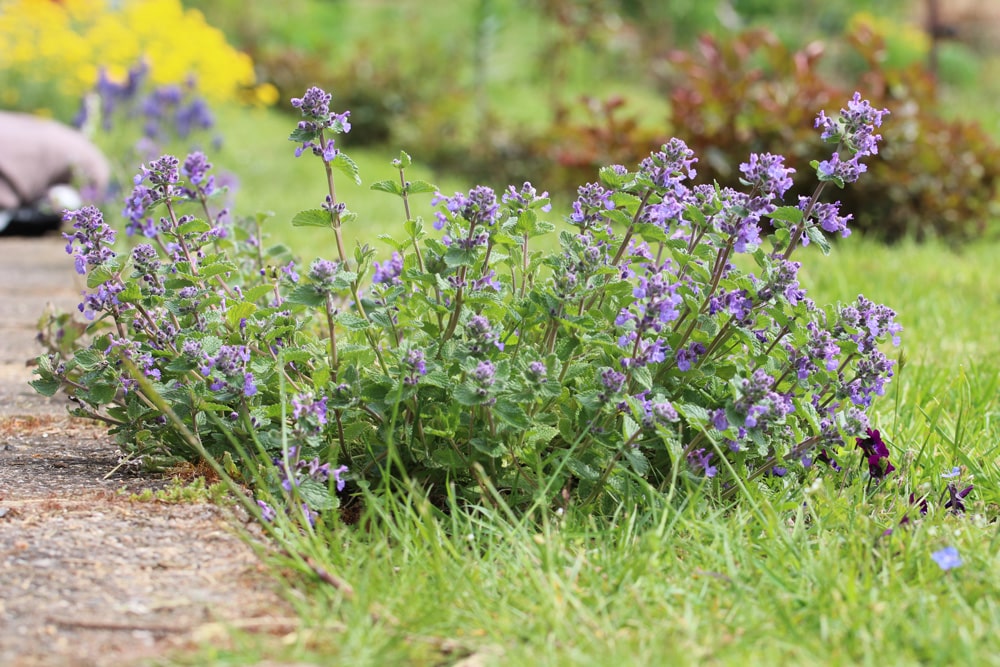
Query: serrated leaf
(420,187)
(467,394)
(693,414)
(491,449)
(581,469)
(196,226)
(352,322)
(46,386)
(99,275)
(306,295)
(131,293)
(637,460)
(239,311)
(101,393)
(789,214)
(346,166)
(314,217)
(511,414)
(316,495)
(390,186)
(88,359)
(257,291)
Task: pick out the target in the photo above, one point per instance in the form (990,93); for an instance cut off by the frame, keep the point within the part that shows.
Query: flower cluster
(642,347)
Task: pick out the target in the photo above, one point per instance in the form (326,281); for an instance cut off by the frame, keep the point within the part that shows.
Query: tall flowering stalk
(638,353)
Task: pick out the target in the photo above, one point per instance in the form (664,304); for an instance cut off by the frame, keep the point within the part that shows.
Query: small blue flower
(955,472)
(947,558)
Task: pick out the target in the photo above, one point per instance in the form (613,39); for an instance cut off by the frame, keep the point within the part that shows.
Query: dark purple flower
(875,452)
(956,498)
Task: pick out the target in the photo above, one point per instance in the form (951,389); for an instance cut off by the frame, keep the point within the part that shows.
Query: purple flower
(338,474)
(315,108)
(956,498)
(195,169)
(719,420)
(700,460)
(536,373)
(527,197)
(670,166)
(323,274)
(481,335)
(841,171)
(390,271)
(760,403)
(856,126)
(827,217)
(413,366)
(478,207)
(308,412)
(90,243)
(590,204)
(947,558)
(875,453)
(767,173)
(267,512)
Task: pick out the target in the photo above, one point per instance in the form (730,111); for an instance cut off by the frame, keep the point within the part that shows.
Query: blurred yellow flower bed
(57,47)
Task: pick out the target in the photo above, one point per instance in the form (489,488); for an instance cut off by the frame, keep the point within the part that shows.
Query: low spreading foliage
(665,344)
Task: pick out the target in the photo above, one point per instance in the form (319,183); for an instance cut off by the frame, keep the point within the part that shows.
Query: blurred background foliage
(502,91)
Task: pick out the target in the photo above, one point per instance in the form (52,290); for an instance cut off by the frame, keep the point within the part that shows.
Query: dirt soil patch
(88,575)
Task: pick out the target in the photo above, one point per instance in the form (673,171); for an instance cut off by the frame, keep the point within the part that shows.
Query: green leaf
(581,469)
(352,322)
(789,214)
(420,187)
(257,291)
(239,311)
(101,393)
(306,295)
(196,226)
(99,275)
(46,385)
(637,460)
(131,293)
(314,217)
(541,434)
(316,495)
(88,359)
(390,186)
(511,414)
(347,166)
(467,394)
(491,449)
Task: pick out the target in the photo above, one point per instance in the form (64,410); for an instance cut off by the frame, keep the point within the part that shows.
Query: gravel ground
(89,575)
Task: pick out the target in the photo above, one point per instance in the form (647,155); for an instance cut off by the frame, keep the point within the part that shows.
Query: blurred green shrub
(938,177)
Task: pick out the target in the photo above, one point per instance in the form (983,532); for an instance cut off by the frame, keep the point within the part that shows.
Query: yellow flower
(61,46)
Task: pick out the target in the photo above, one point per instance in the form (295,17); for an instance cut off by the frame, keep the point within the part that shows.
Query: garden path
(90,576)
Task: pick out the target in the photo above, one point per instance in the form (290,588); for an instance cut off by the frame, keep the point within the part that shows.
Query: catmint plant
(643,352)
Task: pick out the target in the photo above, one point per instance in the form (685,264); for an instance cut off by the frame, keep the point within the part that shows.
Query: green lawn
(782,577)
